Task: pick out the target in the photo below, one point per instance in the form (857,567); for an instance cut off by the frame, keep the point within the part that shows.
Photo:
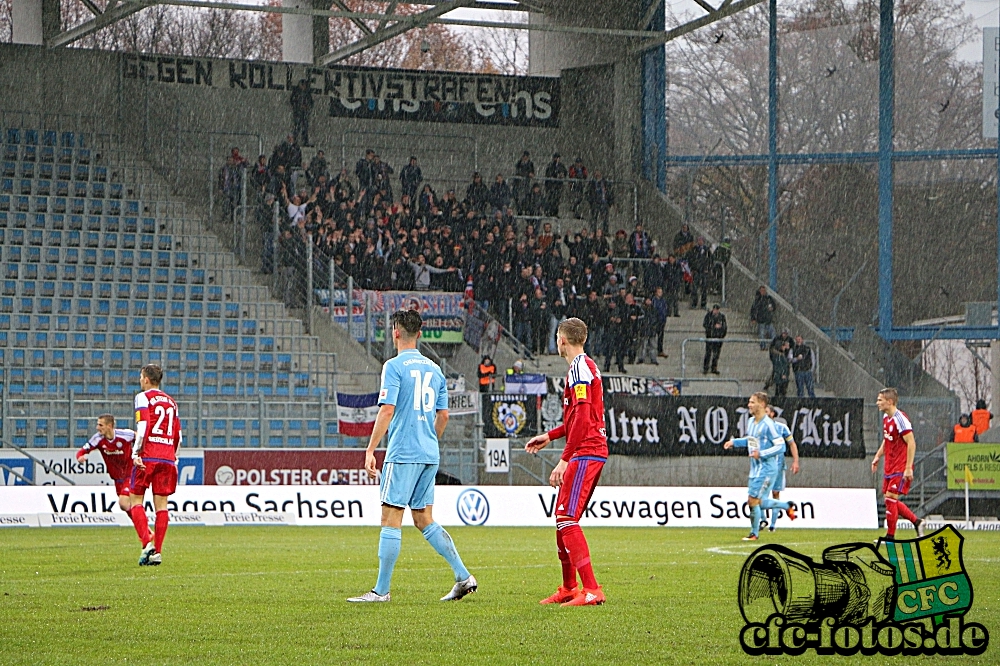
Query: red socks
(162,518)
(895,508)
(579,552)
(138,515)
(568,570)
(905,512)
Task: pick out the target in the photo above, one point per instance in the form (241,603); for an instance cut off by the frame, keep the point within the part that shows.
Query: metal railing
(20,450)
(809,343)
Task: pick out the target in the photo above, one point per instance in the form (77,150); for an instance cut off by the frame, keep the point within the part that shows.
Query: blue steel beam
(772,143)
(886,111)
(937,333)
(832,158)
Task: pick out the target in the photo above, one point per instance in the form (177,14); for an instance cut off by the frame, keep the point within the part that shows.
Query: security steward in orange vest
(965,432)
(487,373)
(981,417)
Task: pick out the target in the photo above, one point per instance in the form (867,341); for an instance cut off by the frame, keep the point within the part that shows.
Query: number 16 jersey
(163,425)
(416,387)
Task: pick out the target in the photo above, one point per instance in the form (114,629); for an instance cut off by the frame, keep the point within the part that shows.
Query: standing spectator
(291,258)
(673,279)
(286,154)
(762,314)
(477,195)
(640,245)
(601,199)
(318,167)
(699,259)
(614,338)
(487,374)
(410,178)
(260,176)
(302,104)
(578,177)
(652,275)
(594,314)
(715,330)
(382,176)
(802,365)
(660,309)
(522,321)
(555,174)
(231,182)
(632,316)
(500,194)
(533,203)
(619,246)
(524,171)
(648,328)
(364,170)
(683,241)
(981,417)
(559,298)
(539,321)
(780,369)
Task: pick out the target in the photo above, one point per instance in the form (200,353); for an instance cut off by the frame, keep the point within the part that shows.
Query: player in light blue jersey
(779,479)
(766,447)
(413,411)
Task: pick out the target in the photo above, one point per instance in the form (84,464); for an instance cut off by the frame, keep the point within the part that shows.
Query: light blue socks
(755,520)
(441,541)
(388,552)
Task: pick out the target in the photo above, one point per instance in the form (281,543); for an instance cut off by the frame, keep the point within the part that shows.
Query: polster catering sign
(304,467)
(501,506)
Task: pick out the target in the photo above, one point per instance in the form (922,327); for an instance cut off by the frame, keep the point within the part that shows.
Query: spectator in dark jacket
(555,174)
(477,195)
(699,260)
(673,280)
(640,244)
(524,172)
(802,365)
(762,314)
(648,330)
(302,104)
(500,194)
(577,175)
(601,198)
(364,170)
(715,330)
(780,370)
(410,178)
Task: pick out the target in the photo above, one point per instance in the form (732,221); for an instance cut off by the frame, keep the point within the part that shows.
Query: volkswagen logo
(473,507)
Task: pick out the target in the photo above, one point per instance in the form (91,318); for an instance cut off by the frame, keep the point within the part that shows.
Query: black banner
(362,92)
(510,415)
(624,384)
(700,425)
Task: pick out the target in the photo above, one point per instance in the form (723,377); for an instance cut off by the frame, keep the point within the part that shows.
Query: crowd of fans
(491,241)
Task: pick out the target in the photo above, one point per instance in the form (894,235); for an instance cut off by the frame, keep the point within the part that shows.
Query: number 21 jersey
(163,425)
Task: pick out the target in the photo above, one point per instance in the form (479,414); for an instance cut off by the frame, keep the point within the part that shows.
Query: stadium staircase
(103,271)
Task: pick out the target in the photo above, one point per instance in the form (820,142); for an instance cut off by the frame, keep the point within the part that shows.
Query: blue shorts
(407,484)
(778,481)
(759,487)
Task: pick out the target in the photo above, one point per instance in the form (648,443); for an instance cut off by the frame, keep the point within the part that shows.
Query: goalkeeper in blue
(766,446)
(413,410)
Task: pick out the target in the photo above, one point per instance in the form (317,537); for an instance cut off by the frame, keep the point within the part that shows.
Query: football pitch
(276,595)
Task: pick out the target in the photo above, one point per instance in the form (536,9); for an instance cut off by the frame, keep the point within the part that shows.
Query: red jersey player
(580,467)
(899,447)
(115,445)
(158,435)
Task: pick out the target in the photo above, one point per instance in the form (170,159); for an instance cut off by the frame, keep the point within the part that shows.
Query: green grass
(275,595)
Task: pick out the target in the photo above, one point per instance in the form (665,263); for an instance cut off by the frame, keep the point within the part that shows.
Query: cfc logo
(473,507)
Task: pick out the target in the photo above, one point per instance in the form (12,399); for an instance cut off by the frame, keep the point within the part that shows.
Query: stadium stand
(101,275)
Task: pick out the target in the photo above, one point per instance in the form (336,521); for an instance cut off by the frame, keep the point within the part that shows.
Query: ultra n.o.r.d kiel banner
(360,92)
(700,425)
